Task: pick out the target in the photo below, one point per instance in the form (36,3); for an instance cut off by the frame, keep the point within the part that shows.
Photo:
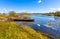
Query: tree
(12,13)
(57,13)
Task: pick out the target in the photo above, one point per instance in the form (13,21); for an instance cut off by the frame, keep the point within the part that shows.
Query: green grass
(10,30)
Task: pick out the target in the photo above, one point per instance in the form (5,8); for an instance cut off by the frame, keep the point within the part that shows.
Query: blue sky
(29,5)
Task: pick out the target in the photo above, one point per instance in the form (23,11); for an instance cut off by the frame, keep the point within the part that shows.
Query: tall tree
(12,13)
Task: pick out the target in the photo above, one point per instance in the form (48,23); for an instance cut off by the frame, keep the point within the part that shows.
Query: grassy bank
(10,30)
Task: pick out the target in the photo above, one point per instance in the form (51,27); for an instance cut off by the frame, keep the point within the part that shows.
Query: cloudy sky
(29,5)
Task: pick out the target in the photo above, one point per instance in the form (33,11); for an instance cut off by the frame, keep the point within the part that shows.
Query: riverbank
(10,30)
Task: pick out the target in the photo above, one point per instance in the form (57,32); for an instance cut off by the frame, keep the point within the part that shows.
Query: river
(52,30)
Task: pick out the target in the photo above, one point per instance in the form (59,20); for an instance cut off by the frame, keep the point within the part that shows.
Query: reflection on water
(48,25)
(57,19)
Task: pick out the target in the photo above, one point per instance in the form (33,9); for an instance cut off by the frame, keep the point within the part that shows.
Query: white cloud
(4,10)
(55,9)
(58,9)
(52,9)
(39,1)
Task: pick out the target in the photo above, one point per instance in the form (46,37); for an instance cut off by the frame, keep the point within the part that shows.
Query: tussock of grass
(10,30)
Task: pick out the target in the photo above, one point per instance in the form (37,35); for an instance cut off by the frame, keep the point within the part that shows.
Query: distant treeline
(57,13)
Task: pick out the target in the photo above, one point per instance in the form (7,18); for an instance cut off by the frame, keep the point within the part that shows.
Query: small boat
(27,20)
(24,19)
